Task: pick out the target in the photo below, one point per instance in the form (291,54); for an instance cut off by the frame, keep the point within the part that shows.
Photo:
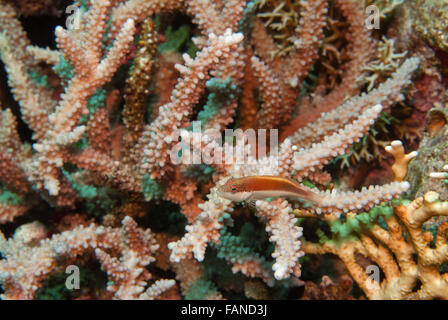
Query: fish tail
(308,194)
(315,198)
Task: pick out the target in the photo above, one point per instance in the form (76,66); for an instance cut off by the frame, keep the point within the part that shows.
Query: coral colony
(122,122)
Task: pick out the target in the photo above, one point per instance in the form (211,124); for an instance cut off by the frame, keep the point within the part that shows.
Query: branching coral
(399,249)
(431,23)
(115,137)
(124,258)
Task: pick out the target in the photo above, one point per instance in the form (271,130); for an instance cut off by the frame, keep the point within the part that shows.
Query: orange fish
(255,188)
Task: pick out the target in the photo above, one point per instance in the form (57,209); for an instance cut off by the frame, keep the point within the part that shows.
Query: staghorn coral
(21,275)
(123,119)
(431,23)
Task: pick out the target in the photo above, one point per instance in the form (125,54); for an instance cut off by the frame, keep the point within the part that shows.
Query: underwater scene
(223,149)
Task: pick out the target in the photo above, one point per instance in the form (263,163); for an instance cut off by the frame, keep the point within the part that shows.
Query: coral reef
(117,130)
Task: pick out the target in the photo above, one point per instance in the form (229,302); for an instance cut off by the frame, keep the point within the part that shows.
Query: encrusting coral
(116,172)
(397,246)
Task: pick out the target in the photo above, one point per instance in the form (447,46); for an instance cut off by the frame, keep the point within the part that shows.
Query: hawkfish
(254,188)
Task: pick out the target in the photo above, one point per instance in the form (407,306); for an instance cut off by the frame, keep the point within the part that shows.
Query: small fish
(254,188)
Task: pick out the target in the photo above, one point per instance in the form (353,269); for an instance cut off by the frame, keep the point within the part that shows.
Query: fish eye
(233,188)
